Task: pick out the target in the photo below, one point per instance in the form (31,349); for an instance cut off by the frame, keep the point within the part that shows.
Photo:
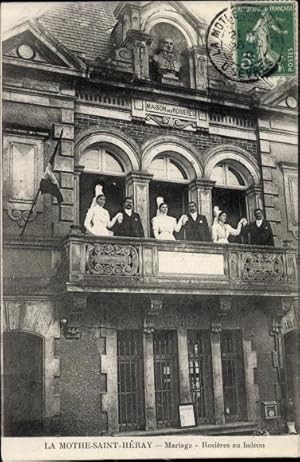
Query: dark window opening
(130,380)
(234,203)
(233,376)
(176,197)
(113,188)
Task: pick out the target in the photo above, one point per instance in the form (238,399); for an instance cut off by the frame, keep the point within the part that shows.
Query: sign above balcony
(169,115)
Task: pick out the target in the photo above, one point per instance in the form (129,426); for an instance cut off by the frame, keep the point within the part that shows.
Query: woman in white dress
(97,221)
(222,230)
(164,226)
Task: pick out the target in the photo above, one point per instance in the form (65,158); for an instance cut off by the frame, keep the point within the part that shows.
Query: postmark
(248,41)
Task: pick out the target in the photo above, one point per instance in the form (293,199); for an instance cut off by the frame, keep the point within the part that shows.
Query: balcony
(147,265)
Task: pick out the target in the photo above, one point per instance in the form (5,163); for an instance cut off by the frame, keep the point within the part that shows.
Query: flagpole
(30,212)
(39,190)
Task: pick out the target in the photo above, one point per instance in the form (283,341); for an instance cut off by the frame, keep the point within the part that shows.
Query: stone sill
(205,429)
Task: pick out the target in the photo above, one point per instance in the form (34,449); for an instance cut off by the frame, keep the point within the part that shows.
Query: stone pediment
(28,45)
(284,95)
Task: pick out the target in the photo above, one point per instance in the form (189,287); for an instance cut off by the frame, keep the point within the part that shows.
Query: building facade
(111,335)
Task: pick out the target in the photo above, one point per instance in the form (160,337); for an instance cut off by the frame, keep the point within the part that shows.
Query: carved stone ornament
(258,266)
(21,216)
(220,311)
(171,122)
(72,329)
(112,260)
(156,306)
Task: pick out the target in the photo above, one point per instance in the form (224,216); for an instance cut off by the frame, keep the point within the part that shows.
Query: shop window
(229,194)
(166,377)
(130,380)
(200,374)
(233,376)
(101,167)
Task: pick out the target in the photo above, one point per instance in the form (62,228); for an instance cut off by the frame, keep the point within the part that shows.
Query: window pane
(218,174)
(158,168)
(111,164)
(234,179)
(91,160)
(175,171)
(22,168)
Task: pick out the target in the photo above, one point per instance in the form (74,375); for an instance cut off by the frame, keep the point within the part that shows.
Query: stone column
(217,374)
(155,308)
(137,186)
(149,384)
(197,62)
(200,191)
(183,363)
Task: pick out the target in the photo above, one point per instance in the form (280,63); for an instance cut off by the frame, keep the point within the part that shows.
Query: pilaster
(137,186)
(218,314)
(200,191)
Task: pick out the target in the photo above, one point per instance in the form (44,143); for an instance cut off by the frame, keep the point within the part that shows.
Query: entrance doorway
(23,384)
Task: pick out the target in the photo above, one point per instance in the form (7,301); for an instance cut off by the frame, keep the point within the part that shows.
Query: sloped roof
(83,27)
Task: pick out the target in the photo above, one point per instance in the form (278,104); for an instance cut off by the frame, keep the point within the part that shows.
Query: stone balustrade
(143,265)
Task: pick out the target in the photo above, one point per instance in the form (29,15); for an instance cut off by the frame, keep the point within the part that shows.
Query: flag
(49,184)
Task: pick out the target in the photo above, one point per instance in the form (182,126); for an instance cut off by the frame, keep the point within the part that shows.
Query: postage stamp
(248,41)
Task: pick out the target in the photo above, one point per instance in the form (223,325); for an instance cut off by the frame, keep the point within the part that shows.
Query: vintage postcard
(150,230)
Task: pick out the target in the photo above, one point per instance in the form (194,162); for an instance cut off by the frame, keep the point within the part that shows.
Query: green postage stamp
(249,41)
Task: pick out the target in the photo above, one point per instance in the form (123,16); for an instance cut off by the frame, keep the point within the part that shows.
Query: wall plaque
(171,110)
(190,263)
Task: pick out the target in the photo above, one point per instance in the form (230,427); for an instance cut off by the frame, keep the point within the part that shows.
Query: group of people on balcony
(128,223)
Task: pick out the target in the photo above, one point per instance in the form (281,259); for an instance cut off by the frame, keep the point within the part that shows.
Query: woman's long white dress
(164,227)
(96,221)
(221,232)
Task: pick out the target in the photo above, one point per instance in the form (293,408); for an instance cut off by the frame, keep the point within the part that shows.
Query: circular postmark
(244,42)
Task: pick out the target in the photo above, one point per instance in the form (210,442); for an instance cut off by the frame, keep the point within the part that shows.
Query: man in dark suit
(196,227)
(128,222)
(259,231)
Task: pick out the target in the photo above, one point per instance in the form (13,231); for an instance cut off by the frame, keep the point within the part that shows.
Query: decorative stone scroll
(112,260)
(259,266)
(171,122)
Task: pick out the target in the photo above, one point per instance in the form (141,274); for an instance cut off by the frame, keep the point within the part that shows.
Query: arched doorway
(22,384)
(170,181)
(229,193)
(101,166)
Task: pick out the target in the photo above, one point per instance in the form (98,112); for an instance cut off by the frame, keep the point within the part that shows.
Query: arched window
(101,160)
(229,192)
(166,168)
(101,166)
(225,175)
(170,180)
